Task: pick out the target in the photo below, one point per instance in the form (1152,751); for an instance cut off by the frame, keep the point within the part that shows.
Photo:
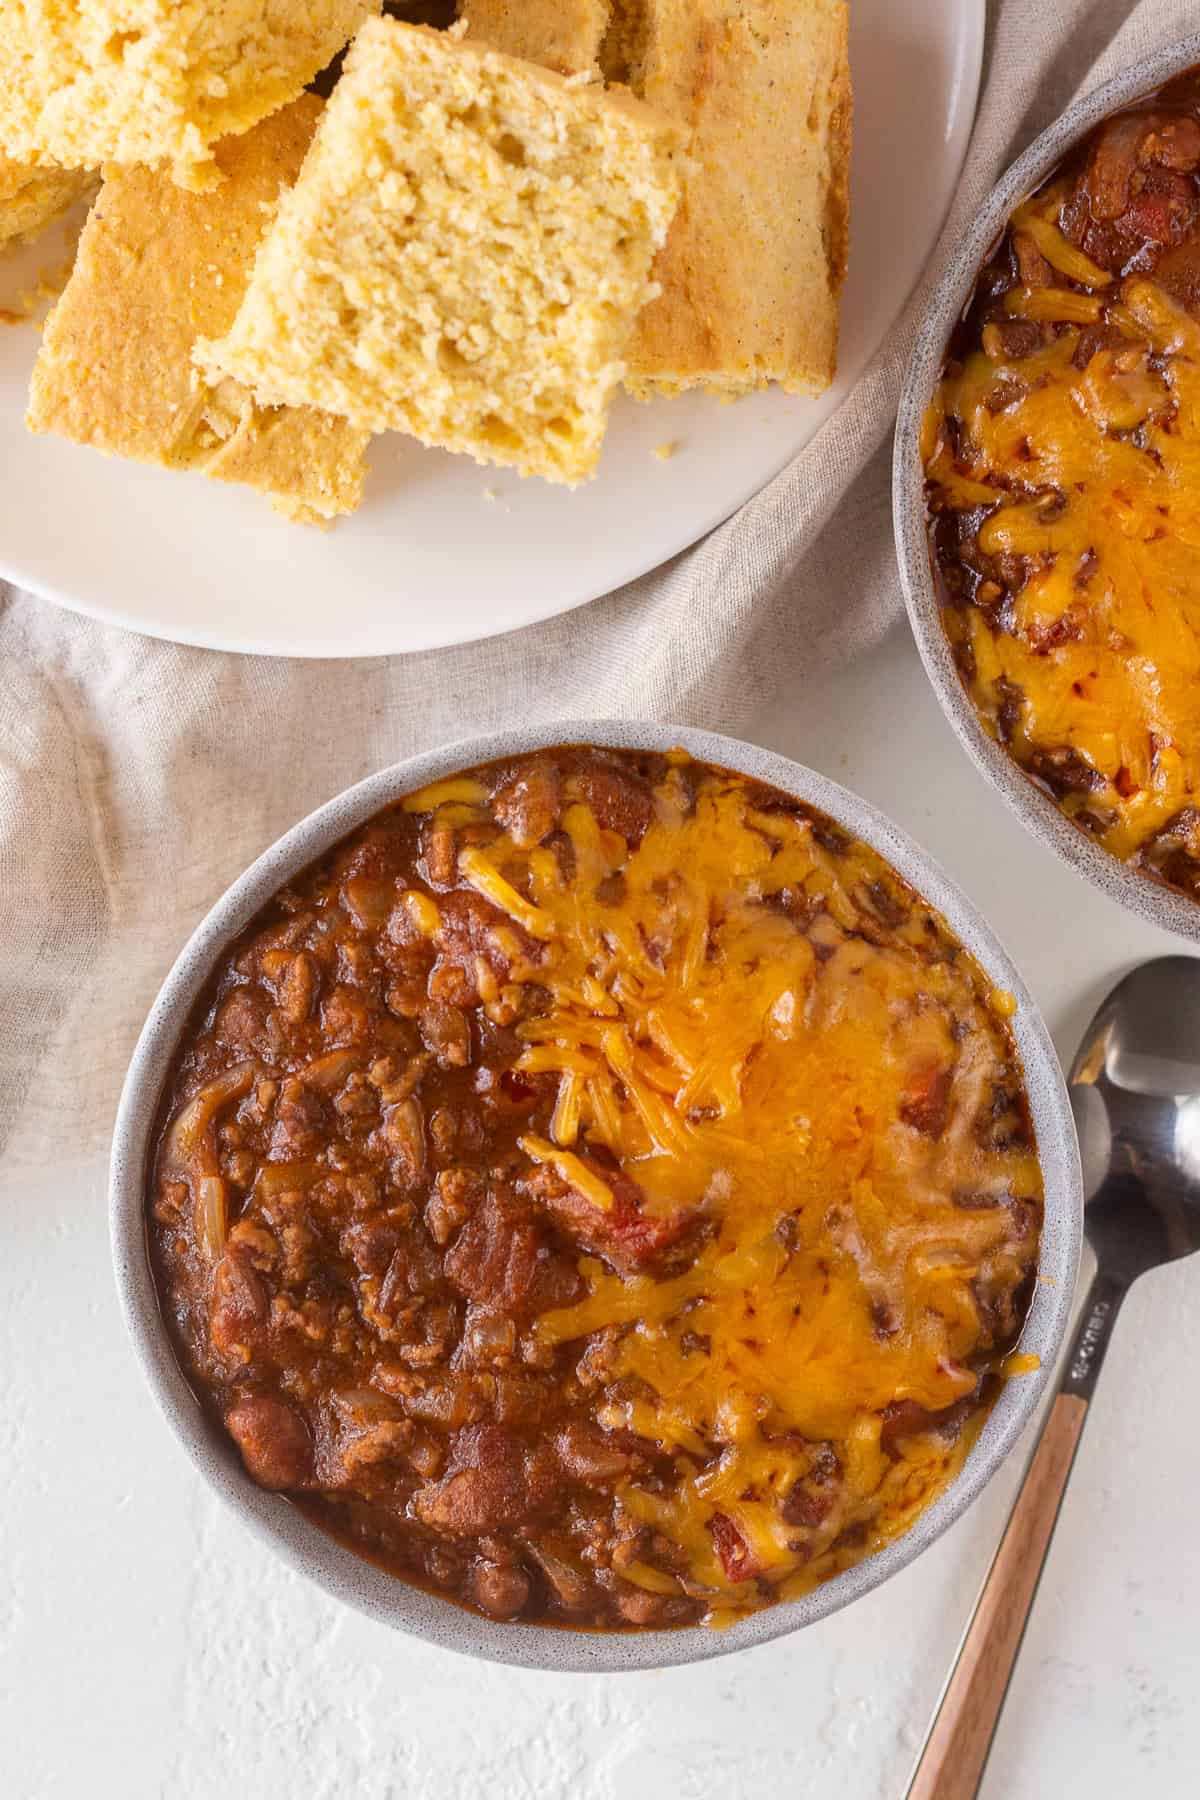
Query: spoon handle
(956,1749)
(952,1761)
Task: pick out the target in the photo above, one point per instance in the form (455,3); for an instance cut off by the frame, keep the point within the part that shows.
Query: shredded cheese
(422,910)
(743,1017)
(572,1170)
(1058,250)
(487,880)
(465,790)
(564,1126)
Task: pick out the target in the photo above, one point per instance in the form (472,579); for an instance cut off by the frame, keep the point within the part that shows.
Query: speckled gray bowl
(338,1570)
(1140,893)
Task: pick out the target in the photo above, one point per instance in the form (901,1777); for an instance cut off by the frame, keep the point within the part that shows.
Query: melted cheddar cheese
(1063,473)
(758,1025)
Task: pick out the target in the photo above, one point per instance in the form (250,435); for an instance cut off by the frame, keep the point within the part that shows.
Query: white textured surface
(149,1647)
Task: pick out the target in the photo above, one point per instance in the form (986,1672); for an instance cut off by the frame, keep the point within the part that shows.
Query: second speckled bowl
(1140,893)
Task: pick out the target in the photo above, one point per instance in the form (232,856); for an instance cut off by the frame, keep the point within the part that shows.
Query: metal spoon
(1135,1092)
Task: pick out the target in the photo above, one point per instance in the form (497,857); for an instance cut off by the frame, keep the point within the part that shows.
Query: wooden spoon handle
(952,1762)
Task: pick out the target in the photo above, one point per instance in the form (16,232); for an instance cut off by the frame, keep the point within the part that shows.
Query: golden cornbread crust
(32,196)
(560,34)
(94,81)
(157,266)
(752,274)
(463,256)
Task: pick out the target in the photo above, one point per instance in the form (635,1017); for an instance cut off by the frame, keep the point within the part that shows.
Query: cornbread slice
(156,266)
(32,196)
(463,256)
(560,34)
(752,274)
(753,270)
(92,81)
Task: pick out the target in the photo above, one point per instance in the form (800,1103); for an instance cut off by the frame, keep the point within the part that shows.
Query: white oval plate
(431,559)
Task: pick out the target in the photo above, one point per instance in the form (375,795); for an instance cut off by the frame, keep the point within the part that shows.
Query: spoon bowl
(1135,1093)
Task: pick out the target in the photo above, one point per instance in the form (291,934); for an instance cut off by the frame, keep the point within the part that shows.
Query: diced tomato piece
(926,1102)
(636,1236)
(624,1235)
(737,1559)
(1161,217)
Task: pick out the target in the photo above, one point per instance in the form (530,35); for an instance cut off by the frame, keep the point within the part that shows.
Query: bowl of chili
(587,1186)
(1043,495)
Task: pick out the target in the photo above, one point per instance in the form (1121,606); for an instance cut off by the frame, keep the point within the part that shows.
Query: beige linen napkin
(138,779)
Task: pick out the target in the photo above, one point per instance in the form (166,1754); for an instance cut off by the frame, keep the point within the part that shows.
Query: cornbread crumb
(665,452)
(93,81)
(155,267)
(463,256)
(560,34)
(32,196)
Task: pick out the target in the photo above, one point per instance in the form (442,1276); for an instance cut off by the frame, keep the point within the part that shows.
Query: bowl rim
(1131,888)
(347,1576)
